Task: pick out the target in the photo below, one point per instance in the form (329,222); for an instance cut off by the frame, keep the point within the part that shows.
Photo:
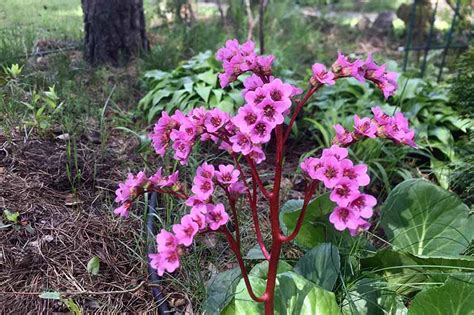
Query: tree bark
(114,31)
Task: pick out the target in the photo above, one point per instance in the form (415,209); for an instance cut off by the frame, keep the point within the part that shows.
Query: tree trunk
(114,31)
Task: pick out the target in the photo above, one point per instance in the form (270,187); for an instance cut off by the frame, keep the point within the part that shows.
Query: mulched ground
(59,232)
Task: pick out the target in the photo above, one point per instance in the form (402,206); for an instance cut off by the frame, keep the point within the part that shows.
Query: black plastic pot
(163,307)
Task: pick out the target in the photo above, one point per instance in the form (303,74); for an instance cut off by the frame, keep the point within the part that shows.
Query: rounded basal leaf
(316,228)
(371,297)
(220,290)
(424,219)
(320,265)
(407,273)
(260,270)
(294,295)
(455,297)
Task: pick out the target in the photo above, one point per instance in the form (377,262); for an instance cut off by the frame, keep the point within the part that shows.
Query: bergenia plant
(243,136)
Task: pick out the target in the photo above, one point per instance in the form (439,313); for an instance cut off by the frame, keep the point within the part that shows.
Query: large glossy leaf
(407,273)
(316,228)
(371,297)
(260,270)
(455,297)
(424,219)
(220,290)
(294,295)
(320,265)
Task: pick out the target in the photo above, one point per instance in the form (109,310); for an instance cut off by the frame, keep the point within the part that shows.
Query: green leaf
(407,273)
(371,297)
(154,111)
(72,306)
(316,228)
(455,297)
(424,219)
(209,77)
(255,253)
(320,265)
(220,290)
(218,93)
(156,75)
(294,295)
(93,265)
(50,295)
(159,95)
(260,270)
(226,106)
(11,216)
(203,92)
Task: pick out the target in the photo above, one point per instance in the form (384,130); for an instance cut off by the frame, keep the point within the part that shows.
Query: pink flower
(380,117)
(330,173)
(186,230)
(399,130)
(252,83)
(321,75)
(257,154)
(241,143)
(165,261)
(247,117)
(362,225)
(311,166)
(271,112)
(357,173)
(336,151)
(197,203)
(264,64)
(365,126)
(347,68)
(198,217)
(343,136)
(123,210)
(158,180)
(205,170)
(344,191)
(364,204)
(202,187)
(236,189)
(230,50)
(279,93)
(161,133)
(227,174)
(344,217)
(182,150)
(256,97)
(131,187)
(216,216)
(215,119)
(261,132)
(166,241)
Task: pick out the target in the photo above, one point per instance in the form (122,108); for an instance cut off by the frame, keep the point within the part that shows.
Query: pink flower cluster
(358,69)
(135,185)
(343,178)
(204,214)
(266,106)
(395,128)
(238,59)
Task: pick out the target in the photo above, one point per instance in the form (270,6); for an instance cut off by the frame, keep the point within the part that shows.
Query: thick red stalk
(256,177)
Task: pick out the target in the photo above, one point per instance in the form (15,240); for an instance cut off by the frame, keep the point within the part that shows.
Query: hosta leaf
(424,219)
(260,270)
(320,265)
(209,77)
(203,92)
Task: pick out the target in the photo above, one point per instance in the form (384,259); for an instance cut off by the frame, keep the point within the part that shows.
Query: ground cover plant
(242,136)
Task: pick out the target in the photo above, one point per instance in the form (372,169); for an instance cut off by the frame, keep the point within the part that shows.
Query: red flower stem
(234,217)
(253,207)
(256,177)
(240,260)
(298,109)
(275,224)
(308,194)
